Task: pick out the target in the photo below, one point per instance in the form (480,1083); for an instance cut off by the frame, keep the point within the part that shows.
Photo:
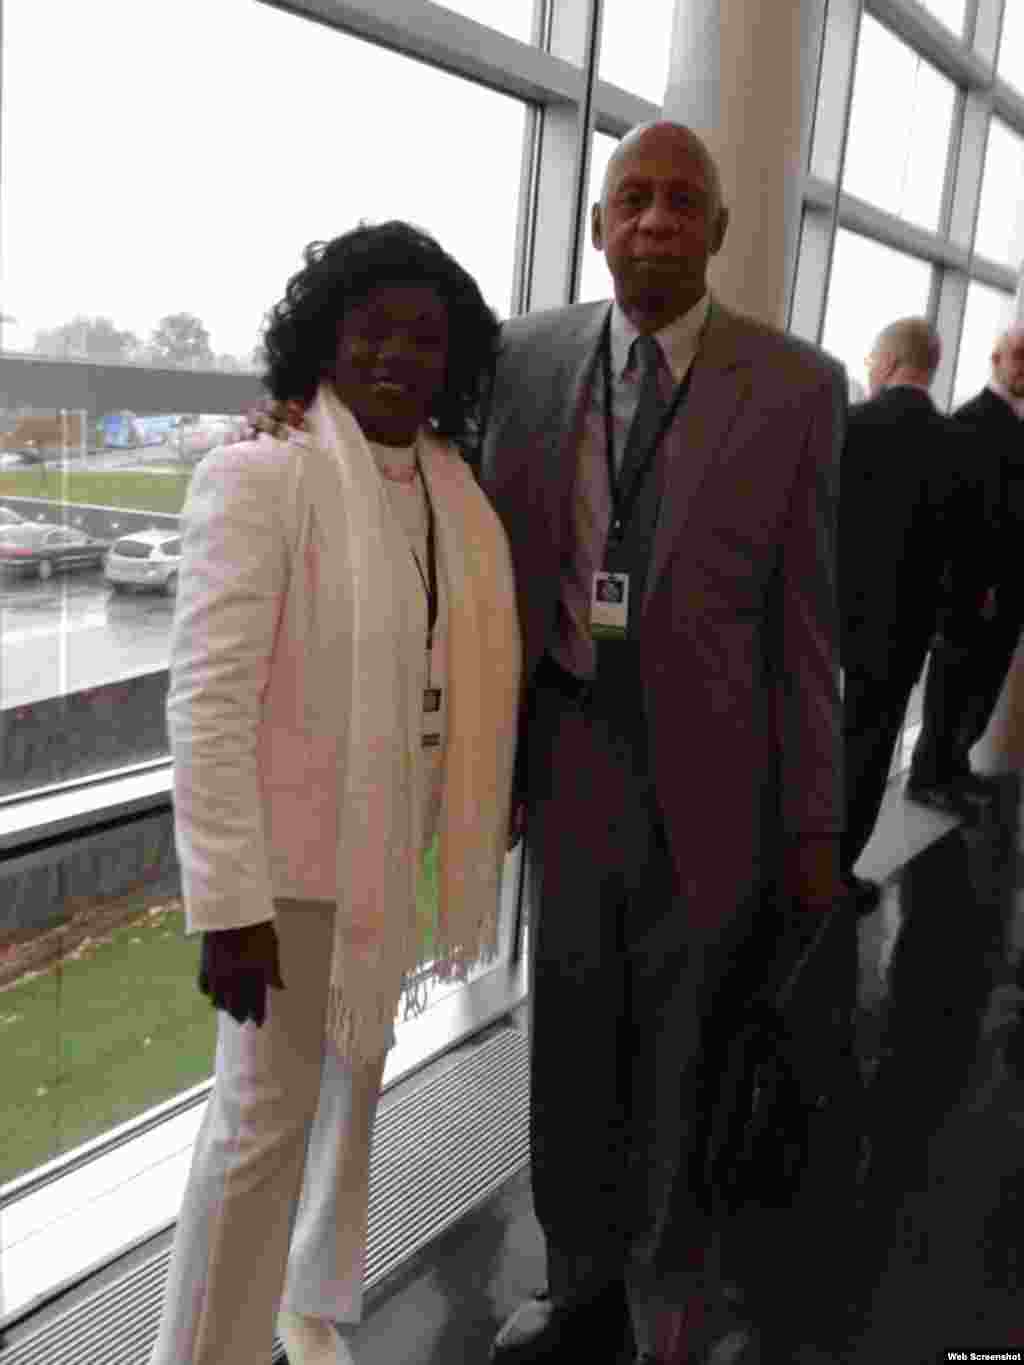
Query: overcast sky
(164,157)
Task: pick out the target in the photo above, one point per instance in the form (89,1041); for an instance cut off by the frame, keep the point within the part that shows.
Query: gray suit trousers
(614,985)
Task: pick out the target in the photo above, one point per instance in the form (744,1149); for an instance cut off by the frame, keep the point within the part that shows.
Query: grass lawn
(109,488)
(115,1028)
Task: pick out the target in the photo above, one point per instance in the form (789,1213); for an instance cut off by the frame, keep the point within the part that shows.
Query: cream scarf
(379,943)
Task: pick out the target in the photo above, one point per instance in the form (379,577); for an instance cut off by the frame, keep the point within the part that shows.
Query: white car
(145,559)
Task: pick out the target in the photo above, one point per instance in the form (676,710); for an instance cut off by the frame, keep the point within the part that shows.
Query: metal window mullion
(616,110)
(949,319)
(563,157)
(968,169)
(987,31)
(921,31)
(870,221)
(442,38)
(827,151)
(1008,104)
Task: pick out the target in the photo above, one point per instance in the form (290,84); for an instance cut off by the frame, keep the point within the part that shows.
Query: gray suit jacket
(739,637)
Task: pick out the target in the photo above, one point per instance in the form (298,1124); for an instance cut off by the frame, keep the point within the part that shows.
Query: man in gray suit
(679,763)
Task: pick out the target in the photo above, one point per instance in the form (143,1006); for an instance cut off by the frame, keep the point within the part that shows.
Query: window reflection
(987,313)
(595,281)
(1011,45)
(898,145)
(1000,231)
(871,285)
(635,53)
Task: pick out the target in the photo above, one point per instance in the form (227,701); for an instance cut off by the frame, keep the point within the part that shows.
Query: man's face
(659,224)
(1008,363)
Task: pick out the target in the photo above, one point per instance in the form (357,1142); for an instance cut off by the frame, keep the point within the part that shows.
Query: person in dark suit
(978,639)
(680,774)
(896,540)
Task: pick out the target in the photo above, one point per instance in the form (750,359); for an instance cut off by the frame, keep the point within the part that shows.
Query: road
(72,632)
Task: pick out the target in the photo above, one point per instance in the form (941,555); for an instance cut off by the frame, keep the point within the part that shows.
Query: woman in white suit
(344,683)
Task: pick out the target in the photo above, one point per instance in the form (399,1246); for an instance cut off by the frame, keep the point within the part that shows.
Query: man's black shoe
(544,1330)
(862,896)
(975,789)
(949,798)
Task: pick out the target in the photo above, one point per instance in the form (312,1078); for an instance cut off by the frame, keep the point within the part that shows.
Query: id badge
(433,717)
(609,605)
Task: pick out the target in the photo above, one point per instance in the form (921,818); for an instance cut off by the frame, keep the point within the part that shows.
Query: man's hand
(236,967)
(812,878)
(516,824)
(275,417)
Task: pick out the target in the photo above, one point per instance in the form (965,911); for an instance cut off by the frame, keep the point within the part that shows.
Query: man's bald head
(1008,360)
(659,220)
(690,144)
(908,351)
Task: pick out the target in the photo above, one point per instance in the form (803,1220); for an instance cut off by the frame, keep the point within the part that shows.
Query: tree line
(179,340)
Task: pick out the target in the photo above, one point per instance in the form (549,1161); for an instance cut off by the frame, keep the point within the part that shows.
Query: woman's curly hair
(301,335)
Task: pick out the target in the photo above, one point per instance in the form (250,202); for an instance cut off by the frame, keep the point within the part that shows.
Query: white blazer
(254,715)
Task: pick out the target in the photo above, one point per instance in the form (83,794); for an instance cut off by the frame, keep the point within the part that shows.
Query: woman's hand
(236,967)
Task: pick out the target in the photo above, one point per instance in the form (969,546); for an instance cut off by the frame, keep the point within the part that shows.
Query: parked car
(145,559)
(8,517)
(41,547)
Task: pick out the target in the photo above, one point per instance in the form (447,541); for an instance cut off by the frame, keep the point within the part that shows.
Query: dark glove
(235,968)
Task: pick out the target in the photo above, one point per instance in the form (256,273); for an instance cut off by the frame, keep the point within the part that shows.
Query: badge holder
(609,605)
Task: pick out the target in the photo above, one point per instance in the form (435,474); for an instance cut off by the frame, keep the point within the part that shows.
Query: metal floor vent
(438,1151)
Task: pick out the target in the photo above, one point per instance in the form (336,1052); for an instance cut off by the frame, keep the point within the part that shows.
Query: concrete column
(743,76)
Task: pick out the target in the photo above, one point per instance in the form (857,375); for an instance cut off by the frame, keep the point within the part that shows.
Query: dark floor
(927,1261)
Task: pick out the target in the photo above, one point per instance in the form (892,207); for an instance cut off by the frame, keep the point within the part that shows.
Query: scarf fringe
(363,1004)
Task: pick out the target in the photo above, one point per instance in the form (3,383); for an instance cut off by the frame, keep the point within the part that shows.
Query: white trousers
(275,1209)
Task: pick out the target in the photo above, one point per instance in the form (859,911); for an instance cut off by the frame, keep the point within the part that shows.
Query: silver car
(145,559)
(45,548)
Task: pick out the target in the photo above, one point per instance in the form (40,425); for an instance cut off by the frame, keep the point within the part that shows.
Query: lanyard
(623,502)
(428,579)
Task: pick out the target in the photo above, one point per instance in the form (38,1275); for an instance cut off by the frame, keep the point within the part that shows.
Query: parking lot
(74,632)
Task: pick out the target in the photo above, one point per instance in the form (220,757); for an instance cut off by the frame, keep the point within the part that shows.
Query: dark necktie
(650,409)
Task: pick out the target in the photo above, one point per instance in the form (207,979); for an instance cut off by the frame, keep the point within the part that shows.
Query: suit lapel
(562,424)
(720,385)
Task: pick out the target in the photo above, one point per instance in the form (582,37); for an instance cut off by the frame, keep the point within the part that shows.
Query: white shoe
(311,1341)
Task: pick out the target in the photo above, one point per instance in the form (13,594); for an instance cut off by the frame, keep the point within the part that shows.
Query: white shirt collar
(678,340)
(1004,393)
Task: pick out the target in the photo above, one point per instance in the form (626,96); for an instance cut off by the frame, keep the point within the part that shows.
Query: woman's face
(391,360)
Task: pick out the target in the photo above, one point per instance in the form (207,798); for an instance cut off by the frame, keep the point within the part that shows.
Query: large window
(165,245)
(898,145)
(987,313)
(161,169)
(635,51)
(1000,231)
(871,286)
